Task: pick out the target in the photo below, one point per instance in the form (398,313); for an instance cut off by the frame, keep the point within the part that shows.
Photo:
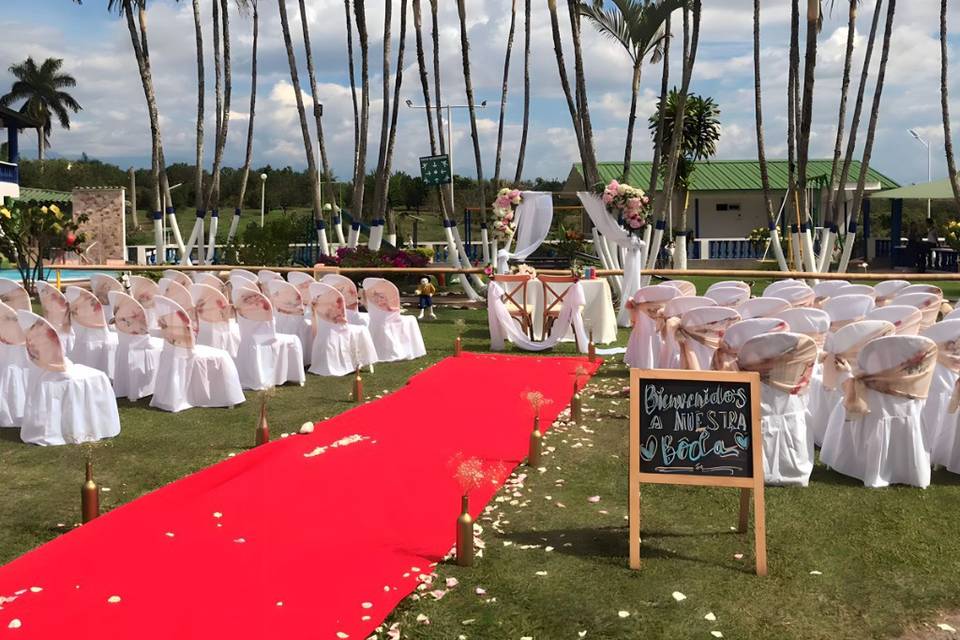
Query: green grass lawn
(555,562)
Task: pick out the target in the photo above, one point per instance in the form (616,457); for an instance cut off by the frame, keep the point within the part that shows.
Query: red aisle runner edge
(315,536)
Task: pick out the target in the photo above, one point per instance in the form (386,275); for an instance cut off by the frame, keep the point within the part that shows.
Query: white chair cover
(953,315)
(885,446)
(785,362)
(927,303)
(265,359)
(740,284)
(143,290)
(241,282)
(177,276)
(631,247)
(351,297)
(14,371)
(211,280)
(56,311)
(14,295)
(887,290)
(844,310)
(710,323)
(245,274)
(302,282)
(771,289)
(725,357)
(101,285)
(339,348)
(905,318)
(685,287)
(191,375)
(731,297)
(840,352)
(921,288)
(218,327)
(138,353)
(265,275)
(826,289)
(856,290)
(798,296)
(66,402)
(288,311)
(765,307)
(396,337)
(647,307)
(669,357)
(534,215)
(94,345)
(939,424)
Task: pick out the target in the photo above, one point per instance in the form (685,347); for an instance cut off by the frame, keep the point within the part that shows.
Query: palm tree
(223,100)
(806,107)
(834,189)
(359,176)
(526,92)
(664,91)
(424,78)
(42,90)
(945,105)
(384,207)
(248,159)
(590,175)
(380,177)
(871,132)
(201,90)
(503,92)
(468,83)
(353,85)
(583,106)
(792,112)
(638,26)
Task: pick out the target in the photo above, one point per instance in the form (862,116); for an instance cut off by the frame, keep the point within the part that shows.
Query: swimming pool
(72,274)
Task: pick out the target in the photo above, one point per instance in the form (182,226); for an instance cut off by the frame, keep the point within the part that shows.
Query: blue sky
(113,125)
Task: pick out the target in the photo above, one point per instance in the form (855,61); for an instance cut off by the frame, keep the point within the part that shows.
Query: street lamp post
(926,143)
(263,197)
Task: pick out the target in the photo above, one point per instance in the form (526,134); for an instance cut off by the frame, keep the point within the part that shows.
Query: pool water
(49,274)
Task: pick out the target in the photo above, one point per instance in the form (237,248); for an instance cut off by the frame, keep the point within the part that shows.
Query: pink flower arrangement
(627,202)
(504,210)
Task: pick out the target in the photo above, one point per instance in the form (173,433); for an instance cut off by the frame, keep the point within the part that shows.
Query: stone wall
(105,229)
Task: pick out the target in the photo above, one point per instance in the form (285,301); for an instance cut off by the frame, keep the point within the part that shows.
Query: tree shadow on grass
(10,435)
(612,543)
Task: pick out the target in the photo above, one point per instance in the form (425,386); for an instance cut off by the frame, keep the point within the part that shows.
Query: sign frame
(750,487)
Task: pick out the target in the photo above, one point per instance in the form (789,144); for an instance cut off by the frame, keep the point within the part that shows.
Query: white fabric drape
(14,374)
(137,360)
(503,326)
(632,246)
(534,215)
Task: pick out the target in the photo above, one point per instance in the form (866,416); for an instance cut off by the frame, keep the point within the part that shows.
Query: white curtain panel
(633,248)
(504,327)
(534,216)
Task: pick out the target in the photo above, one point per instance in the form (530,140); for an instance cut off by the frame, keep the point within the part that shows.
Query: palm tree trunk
(632,119)
(664,92)
(503,92)
(435,35)
(945,106)
(583,104)
(317,109)
(248,159)
(213,191)
(871,132)
(761,146)
(588,179)
(793,81)
(40,144)
(392,140)
(201,89)
(133,198)
(526,92)
(361,169)
(381,177)
(806,109)
(353,85)
(833,191)
(424,79)
(468,83)
(858,110)
(301,112)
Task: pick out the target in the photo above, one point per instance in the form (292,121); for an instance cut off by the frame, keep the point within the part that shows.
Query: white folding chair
(218,327)
(395,336)
(887,290)
(647,314)
(844,310)
(14,368)
(927,303)
(351,297)
(56,311)
(725,357)
(939,424)
(191,375)
(339,348)
(288,311)
(94,345)
(785,362)
(66,402)
(881,439)
(905,318)
(731,297)
(669,357)
(101,285)
(138,353)
(265,358)
(762,307)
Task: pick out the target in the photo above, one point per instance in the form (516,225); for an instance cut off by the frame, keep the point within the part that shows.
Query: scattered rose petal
(342,635)
(438,593)
(113,599)
(217,514)
(423,619)
(541,573)
(169,534)
(716,634)
(816,573)
(240,540)
(468,621)
(452,582)
(36,589)
(593,499)
(945,627)
(710,617)
(364,618)
(480,591)
(582,634)
(738,556)
(623,614)
(306,427)
(366,605)
(280,603)
(526,637)
(679,597)
(15,624)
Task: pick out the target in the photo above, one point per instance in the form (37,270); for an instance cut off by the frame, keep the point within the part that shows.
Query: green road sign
(435,170)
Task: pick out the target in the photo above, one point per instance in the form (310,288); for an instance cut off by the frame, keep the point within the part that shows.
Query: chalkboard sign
(697,428)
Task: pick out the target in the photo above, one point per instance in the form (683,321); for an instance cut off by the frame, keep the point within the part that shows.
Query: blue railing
(882,247)
(9,172)
(735,249)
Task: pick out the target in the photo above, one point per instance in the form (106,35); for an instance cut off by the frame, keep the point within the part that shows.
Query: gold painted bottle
(89,497)
(457,346)
(465,534)
(536,444)
(263,428)
(357,388)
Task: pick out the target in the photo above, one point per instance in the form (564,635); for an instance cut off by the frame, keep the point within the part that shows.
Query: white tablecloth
(598,312)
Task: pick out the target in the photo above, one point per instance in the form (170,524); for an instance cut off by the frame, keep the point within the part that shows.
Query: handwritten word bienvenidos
(656,398)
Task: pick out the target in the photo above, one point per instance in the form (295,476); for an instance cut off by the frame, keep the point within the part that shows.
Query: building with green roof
(726,196)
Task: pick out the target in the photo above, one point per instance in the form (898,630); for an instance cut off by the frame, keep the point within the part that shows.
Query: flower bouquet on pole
(630,205)
(504,219)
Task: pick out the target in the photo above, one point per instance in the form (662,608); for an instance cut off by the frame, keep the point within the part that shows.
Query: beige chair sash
(789,372)
(653,310)
(836,325)
(948,355)
(709,335)
(725,358)
(910,379)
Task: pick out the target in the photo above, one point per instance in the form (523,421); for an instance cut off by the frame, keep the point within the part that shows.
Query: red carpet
(274,544)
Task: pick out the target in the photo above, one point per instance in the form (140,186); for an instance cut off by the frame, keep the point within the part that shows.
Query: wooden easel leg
(744,510)
(760,530)
(634,525)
